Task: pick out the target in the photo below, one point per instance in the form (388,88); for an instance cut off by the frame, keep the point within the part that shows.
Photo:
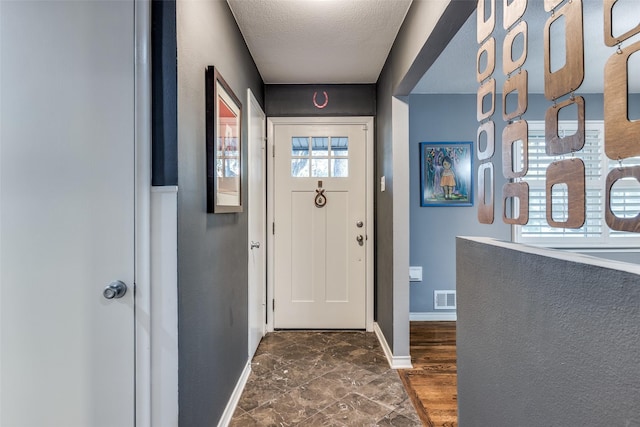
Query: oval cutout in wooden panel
(490,48)
(487,89)
(609,38)
(508,64)
(568,78)
(485,27)
(621,135)
(512,12)
(517,83)
(485,202)
(520,191)
(489,129)
(614,222)
(516,131)
(554,144)
(571,173)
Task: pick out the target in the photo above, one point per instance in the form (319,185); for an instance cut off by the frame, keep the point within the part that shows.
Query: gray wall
(546,338)
(212,248)
(283,100)
(425,32)
(384,210)
(433,229)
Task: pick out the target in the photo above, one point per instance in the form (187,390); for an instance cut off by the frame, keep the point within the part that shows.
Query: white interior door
(257,222)
(66,213)
(320,249)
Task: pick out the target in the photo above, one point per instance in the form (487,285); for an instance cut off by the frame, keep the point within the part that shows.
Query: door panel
(66,213)
(257,223)
(319,266)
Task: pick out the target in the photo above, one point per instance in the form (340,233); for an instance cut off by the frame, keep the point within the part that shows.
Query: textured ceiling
(319,41)
(455,72)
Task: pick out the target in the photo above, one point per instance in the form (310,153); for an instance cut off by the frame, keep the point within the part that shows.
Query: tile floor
(334,379)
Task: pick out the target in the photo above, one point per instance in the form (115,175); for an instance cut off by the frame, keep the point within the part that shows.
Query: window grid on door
(320,156)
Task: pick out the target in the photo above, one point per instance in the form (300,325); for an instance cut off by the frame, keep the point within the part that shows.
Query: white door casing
(67,192)
(321,271)
(257,221)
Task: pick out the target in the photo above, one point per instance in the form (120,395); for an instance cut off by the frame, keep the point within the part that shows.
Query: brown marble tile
(243,420)
(258,391)
(356,410)
(321,420)
(385,389)
(299,372)
(350,377)
(317,340)
(342,348)
(333,379)
(397,420)
(297,352)
(264,363)
(318,393)
(406,409)
(282,411)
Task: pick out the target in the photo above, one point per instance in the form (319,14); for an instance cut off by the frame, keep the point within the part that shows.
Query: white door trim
(359,120)
(142,245)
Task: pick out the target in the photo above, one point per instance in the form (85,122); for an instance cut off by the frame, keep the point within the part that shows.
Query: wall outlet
(415,274)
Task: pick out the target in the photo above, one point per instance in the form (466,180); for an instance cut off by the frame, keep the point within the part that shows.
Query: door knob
(255,245)
(360,239)
(115,289)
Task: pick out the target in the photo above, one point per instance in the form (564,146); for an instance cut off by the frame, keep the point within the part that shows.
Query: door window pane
(299,168)
(340,146)
(299,146)
(320,167)
(320,146)
(340,168)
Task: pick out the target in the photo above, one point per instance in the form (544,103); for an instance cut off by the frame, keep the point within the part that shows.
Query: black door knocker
(321,199)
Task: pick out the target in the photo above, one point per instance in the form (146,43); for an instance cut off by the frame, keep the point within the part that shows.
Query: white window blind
(625,200)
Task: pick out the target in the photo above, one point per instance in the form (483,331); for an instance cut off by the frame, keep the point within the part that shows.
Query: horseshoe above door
(315,100)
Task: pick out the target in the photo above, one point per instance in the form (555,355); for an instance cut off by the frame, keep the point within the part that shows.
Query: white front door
(257,220)
(66,213)
(321,223)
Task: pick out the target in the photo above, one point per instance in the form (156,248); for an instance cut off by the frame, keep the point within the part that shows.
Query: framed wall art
(446,174)
(224,145)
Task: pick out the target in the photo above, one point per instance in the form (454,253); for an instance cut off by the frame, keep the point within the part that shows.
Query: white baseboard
(433,317)
(395,362)
(235,396)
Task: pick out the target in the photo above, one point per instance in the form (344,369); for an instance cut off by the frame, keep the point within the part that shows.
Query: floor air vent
(444,300)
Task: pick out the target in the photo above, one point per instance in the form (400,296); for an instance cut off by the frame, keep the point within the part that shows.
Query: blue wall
(433,229)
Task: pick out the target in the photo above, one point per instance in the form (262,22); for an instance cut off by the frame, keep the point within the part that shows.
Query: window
(625,197)
(320,156)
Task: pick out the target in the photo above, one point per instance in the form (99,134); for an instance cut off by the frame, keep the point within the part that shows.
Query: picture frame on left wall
(223,145)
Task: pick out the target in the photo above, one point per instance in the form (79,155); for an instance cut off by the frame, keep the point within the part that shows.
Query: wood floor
(431,384)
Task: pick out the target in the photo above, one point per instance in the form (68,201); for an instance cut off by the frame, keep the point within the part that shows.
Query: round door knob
(115,289)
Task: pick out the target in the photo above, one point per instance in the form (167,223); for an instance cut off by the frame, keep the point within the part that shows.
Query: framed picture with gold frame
(446,174)
(224,145)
